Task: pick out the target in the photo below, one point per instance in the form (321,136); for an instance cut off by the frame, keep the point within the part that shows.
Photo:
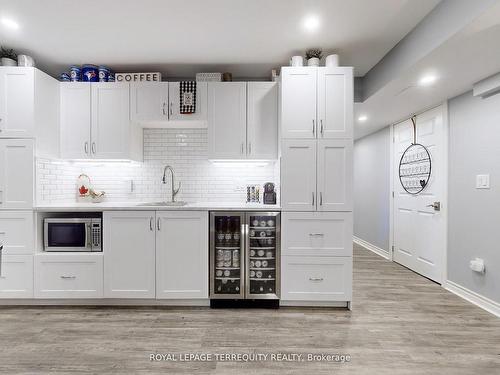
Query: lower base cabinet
(316,278)
(16,276)
(182,255)
(68,275)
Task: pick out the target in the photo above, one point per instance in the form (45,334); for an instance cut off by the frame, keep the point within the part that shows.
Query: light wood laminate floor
(401,323)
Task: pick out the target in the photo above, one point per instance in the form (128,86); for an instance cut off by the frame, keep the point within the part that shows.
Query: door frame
(444,108)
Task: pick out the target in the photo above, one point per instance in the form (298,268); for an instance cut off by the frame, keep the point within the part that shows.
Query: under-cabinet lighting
(9,23)
(239,163)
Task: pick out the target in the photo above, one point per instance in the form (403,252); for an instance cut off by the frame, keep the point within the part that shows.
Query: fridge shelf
(228,278)
(227,268)
(262,248)
(227,247)
(263,258)
(262,238)
(261,279)
(263,228)
(262,269)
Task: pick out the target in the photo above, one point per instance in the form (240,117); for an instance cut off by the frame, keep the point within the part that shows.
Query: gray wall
(474,215)
(371,188)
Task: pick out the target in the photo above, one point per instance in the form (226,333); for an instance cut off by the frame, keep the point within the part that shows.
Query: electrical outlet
(483,181)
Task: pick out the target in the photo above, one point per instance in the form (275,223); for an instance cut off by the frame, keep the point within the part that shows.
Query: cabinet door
(298,175)
(148,102)
(16,173)
(129,254)
(16,277)
(17,102)
(298,102)
(200,115)
(335,175)
(227,120)
(182,255)
(110,121)
(316,233)
(75,120)
(262,120)
(17,230)
(335,102)
(68,275)
(316,278)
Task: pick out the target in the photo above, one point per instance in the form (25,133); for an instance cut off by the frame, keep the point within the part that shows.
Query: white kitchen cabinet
(298,175)
(189,120)
(335,102)
(16,173)
(129,254)
(95,122)
(149,102)
(262,120)
(316,102)
(75,120)
(316,233)
(182,255)
(17,102)
(322,279)
(68,275)
(227,120)
(334,175)
(298,102)
(16,276)
(17,231)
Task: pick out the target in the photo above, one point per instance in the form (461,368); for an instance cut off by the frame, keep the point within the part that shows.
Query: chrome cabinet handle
(314,128)
(313,198)
(68,277)
(316,279)
(151,223)
(321,122)
(242,146)
(163,109)
(320,198)
(158,226)
(249,148)
(171,110)
(93,147)
(316,234)
(1,250)
(86,148)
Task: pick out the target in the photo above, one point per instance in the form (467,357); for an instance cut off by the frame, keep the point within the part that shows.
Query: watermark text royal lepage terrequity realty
(249,357)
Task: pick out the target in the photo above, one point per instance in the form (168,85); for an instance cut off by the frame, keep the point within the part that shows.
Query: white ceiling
(468,57)
(180,38)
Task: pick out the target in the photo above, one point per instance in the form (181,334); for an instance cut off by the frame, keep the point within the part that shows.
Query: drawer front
(16,277)
(317,234)
(316,278)
(17,232)
(68,276)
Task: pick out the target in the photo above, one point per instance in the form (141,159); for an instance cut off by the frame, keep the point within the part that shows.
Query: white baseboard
(473,297)
(367,245)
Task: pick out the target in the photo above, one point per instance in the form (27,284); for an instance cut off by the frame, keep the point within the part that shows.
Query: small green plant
(314,52)
(8,53)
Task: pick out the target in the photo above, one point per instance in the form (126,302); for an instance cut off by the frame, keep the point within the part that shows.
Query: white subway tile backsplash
(186,150)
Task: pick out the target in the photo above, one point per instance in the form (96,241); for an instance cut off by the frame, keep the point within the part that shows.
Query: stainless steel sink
(163,204)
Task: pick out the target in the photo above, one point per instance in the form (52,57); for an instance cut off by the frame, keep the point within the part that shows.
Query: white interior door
(419,229)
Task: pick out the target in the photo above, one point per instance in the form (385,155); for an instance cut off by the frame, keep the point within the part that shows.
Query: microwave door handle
(88,244)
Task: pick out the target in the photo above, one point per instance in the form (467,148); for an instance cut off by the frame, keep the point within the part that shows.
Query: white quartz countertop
(143,206)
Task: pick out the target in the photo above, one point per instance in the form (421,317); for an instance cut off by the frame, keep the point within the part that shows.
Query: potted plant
(8,57)
(313,56)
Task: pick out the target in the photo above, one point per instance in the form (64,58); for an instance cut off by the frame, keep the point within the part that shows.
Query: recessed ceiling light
(427,80)
(362,118)
(10,23)
(311,23)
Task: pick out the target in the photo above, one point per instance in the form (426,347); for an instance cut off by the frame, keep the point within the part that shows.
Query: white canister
(332,60)
(8,62)
(297,61)
(313,61)
(25,60)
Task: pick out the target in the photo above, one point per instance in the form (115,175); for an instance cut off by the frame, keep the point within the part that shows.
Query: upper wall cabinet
(95,122)
(198,119)
(317,102)
(243,120)
(148,102)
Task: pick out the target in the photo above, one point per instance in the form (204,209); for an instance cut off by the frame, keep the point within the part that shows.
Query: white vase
(8,62)
(313,61)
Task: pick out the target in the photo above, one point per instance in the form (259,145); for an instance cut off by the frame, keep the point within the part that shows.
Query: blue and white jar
(75,73)
(65,77)
(90,73)
(103,73)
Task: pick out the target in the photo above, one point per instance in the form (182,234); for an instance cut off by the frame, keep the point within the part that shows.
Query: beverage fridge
(244,256)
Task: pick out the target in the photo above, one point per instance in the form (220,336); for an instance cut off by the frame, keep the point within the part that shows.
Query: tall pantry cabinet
(316,185)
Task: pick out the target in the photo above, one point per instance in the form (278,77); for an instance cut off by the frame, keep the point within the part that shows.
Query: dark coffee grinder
(269,193)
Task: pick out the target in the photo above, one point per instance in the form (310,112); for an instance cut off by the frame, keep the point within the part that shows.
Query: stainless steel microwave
(72,234)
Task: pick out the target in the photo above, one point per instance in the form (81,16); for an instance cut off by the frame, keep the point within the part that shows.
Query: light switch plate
(483,181)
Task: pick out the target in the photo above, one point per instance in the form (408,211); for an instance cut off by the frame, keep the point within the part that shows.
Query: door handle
(151,223)
(86,147)
(242,146)
(249,148)
(320,198)
(314,128)
(435,205)
(158,226)
(316,279)
(93,147)
(1,250)
(67,277)
(321,122)
(316,234)
(163,109)
(171,110)
(313,198)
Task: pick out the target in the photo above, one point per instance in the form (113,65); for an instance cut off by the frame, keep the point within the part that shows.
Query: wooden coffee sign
(138,77)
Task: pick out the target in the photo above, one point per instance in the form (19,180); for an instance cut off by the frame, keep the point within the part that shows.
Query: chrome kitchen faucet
(164,180)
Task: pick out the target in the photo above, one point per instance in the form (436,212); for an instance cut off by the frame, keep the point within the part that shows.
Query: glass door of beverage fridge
(263,255)
(227,257)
